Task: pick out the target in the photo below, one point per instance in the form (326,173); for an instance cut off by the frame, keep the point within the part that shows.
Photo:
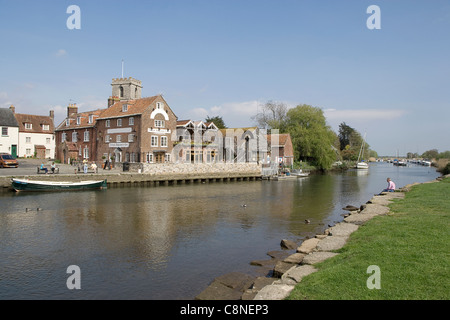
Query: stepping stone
(317,257)
(219,291)
(295,258)
(288,244)
(297,273)
(343,229)
(236,280)
(280,268)
(274,292)
(278,255)
(308,246)
(331,243)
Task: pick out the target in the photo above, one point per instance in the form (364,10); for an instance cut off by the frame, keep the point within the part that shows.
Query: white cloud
(60,53)
(364,114)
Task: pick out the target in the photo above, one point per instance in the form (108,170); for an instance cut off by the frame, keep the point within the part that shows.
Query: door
(159,157)
(14,150)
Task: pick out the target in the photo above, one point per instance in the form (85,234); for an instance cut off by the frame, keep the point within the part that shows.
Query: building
(76,136)
(281,149)
(135,129)
(242,144)
(36,135)
(196,142)
(9,139)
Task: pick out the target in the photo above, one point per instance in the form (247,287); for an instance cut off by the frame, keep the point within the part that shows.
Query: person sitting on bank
(43,168)
(390,187)
(94,167)
(53,167)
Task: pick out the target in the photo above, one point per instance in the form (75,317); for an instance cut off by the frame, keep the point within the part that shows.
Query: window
(91,118)
(131,137)
(47,140)
(86,136)
(63,136)
(119,122)
(67,122)
(28,126)
(78,120)
(149,157)
(131,121)
(74,138)
(86,153)
(4,131)
(28,151)
(159,123)
(45,127)
(108,123)
(121,91)
(119,138)
(154,141)
(159,105)
(107,138)
(163,141)
(124,107)
(167,157)
(27,139)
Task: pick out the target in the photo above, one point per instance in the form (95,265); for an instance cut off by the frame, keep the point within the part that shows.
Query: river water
(169,242)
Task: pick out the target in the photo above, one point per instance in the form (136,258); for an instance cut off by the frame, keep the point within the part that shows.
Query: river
(169,242)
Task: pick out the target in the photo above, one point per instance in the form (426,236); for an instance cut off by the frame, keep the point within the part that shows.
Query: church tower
(126,88)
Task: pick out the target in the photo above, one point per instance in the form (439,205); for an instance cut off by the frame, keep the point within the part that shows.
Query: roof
(84,120)
(282,138)
(224,131)
(7,118)
(36,122)
(135,107)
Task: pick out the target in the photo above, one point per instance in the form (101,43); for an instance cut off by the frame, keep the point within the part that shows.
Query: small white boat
(34,185)
(362,165)
(299,173)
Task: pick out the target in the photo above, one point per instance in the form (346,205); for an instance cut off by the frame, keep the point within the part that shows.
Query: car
(8,161)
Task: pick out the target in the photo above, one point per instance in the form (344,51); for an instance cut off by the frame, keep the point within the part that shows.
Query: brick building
(136,130)
(76,136)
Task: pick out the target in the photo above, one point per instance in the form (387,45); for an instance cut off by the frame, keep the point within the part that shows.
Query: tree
(218,121)
(272,115)
(345,132)
(430,154)
(312,138)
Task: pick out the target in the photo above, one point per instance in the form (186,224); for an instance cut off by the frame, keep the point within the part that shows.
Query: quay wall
(156,175)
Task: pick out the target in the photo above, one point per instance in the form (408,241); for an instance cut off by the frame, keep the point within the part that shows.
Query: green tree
(218,121)
(430,154)
(312,138)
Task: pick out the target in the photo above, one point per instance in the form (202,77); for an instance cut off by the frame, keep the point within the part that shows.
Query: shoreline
(290,268)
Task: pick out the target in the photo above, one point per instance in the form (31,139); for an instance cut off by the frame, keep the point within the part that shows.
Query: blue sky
(229,57)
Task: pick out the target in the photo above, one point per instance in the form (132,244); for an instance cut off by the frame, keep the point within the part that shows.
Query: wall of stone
(202,168)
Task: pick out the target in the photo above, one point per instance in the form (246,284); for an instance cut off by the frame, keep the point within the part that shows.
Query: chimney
(52,115)
(72,109)
(13,109)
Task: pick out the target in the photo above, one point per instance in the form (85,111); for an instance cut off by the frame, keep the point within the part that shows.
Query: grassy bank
(410,245)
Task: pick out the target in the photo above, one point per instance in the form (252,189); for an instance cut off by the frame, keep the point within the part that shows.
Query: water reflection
(168,242)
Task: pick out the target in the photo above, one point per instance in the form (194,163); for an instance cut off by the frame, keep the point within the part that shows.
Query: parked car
(8,161)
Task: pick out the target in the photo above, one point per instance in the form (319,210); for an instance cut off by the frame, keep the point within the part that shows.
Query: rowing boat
(33,185)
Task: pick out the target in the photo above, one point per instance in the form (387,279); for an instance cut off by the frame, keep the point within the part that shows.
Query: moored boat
(34,185)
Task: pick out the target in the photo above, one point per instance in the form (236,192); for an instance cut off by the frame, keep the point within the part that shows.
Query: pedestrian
(85,166)
(390,186)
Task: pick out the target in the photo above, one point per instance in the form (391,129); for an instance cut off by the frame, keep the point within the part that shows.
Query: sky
(229,57)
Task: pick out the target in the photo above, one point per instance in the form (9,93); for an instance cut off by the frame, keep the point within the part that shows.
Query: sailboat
(361,164)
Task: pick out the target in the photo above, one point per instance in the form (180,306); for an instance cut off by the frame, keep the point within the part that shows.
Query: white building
(9,138)
(36,135)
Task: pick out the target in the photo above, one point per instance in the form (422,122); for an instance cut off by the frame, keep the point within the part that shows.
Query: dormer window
(67,122)
(91,118)
(78,120)
(28,126)
(124,108)
(45,127)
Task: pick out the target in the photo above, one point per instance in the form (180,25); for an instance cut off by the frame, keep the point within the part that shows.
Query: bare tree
(271,115)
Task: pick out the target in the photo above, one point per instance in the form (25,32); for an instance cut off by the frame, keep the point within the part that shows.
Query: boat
(299,173)
(360,164)
(34,185)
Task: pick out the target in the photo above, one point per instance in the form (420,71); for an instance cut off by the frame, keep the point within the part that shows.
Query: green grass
(410,245)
